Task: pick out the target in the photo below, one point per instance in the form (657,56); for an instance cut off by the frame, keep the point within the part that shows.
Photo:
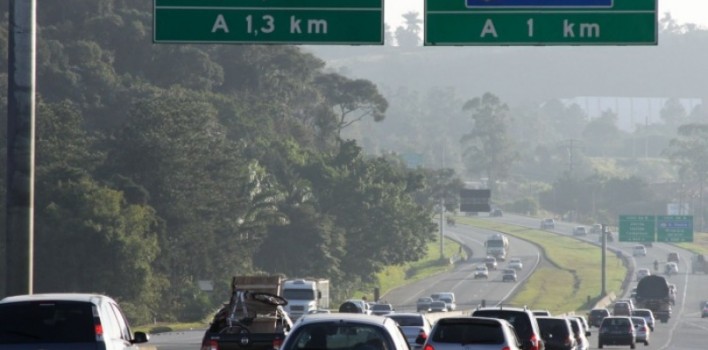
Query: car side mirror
(587,333)
(140,337)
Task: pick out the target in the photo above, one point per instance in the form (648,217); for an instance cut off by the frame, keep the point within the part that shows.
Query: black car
(557,333)
(616,330)
(596,316)
(509,275)
(522,319)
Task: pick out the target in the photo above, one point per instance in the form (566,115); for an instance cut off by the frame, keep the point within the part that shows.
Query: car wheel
(599,345)
(646,343)
(632,346)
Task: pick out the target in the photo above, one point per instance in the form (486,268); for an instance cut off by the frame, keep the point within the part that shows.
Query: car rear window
(520,320)
(340,336)
(407,321)
(46,322)
(469,333)
(553,328)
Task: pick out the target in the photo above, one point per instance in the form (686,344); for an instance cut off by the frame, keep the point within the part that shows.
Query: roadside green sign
(538,22)
(637,228)
(675,228)
(354,22)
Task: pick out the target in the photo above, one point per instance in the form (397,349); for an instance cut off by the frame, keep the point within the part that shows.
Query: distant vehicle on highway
(557,333)
(704,310)
(596,316)
(481,271)
(65,321)
(580,231)
(508,275)
(642,330)
(639,250)
(438,306)
(423,304)
(491,262)
(516,264)
(616,330)
(596,229)
(548,224)
(673,257)
(523,321)
(641,273)
(647,315)
(496,212)
(381,309)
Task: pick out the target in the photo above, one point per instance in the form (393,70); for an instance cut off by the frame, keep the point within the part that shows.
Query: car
(704,310)
(557,333)
(596,229)
(451,306)
(642,330)
(548,224)
(439,295)
(381,309)
(523,321)
(508,275)
(413,325)
(496,213)
(362,305)
(628,301)
(580,231)
(641,273)
(516,264)
(580,332)
(65,321)
(423,304)
(671,268)
(481,271)
(673,257)
(648,316)
(595,316)
(616,330)
(345,331)
(639,250)
(622,308)
(438,306)
(472,333)
(633,293)
(491,262)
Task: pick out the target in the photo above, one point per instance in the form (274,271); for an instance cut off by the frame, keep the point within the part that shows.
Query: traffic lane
(468,291)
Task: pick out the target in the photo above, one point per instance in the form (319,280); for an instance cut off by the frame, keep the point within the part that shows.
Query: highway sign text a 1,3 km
(674,228)
(637,228)
(541,22)
(355,22)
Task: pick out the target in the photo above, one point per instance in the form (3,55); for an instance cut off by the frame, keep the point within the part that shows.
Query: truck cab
(305,296)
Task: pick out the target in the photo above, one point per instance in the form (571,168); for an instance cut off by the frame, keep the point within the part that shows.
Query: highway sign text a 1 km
(674,228)
(541,22)
(637,228)
(354,22)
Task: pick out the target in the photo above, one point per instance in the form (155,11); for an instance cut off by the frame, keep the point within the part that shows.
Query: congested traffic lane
(685,330)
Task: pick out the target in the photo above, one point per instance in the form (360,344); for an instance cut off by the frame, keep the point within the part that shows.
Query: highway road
(685,330)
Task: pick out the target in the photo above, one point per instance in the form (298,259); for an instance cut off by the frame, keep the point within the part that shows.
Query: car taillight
(210,345)
(98,330)
(428,347)
(277,342)
(534,342)
(506,348)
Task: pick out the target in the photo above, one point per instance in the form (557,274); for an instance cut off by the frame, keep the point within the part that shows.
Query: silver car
(413,325)
(472,333)
(642,330)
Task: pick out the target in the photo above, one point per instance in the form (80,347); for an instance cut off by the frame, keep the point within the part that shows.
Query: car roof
(342,317)
(79,297)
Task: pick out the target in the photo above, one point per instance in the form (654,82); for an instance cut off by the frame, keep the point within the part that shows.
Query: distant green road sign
(675,228)
(637,228)
(355,22)
(563,22)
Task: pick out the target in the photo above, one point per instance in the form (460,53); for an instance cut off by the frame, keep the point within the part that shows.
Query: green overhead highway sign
(636,228)
(540,22)
(354,22)
(674,228)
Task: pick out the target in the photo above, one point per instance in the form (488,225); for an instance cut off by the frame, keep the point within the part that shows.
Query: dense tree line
(162,165)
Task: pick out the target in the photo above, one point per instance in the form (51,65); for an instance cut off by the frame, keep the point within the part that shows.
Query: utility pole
(17,272)
(603,293)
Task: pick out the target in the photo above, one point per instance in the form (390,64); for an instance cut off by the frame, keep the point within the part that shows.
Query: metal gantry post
(17,271)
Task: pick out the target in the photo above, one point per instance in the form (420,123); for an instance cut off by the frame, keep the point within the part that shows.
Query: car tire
(632,345)
(599,345)
(646,343)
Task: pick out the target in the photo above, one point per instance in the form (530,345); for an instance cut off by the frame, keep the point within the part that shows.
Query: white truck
(497,246)
(305,295)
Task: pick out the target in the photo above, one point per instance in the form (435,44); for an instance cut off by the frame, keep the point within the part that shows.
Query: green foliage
(527,205)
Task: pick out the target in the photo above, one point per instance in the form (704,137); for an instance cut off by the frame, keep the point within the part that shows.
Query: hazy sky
(684,11)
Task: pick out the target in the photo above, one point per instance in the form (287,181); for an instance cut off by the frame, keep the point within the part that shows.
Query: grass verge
(573,281)
(699,245)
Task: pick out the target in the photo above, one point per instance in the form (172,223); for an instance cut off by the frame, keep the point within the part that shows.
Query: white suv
(65,321)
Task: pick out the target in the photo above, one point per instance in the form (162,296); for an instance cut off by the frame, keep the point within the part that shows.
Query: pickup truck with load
(253,319)
(653,293)
(305,296)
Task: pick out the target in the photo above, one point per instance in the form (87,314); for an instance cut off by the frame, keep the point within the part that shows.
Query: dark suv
(557,333)
(616,330)
(524,322)
(596,316)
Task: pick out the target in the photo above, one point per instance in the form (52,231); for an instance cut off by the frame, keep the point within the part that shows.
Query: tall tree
(488,149)
(689,152)
(409,36)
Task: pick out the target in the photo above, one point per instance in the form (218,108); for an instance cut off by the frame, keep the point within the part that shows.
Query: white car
(671,268)
(639,250)
(481,272)
(516,264)
(580,231)
(641,273)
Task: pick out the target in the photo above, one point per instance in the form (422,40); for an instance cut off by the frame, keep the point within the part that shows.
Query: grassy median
(572,282)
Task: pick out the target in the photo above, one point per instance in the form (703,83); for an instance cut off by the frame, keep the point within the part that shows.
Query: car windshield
(340,336)
(519,319)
